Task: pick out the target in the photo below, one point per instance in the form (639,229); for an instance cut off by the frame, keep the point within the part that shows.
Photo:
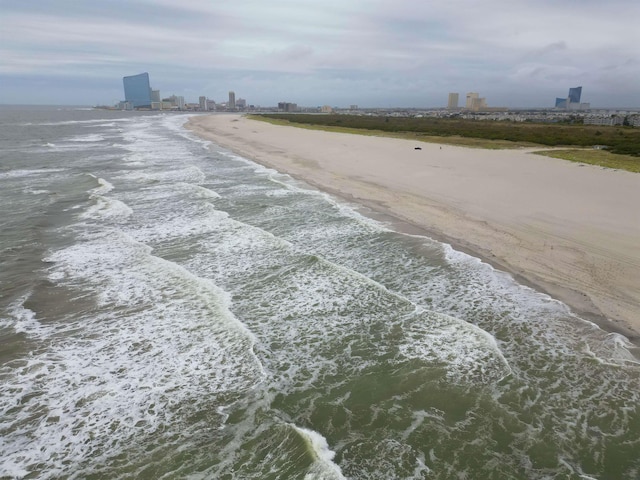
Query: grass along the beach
(418,136)
(601,158)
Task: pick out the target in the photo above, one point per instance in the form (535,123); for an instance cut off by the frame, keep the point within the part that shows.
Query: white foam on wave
(162,213)
(23,320)
(345,209)
(90,138)
(323,468)
(162,341)
(501,281)
(81,122)
(547,315)
(177,125)
(21,173)
(37,192)
(470,353)
(104,186)
(197,191)
(188,174)
(107,209)
(613,349)
(70,146)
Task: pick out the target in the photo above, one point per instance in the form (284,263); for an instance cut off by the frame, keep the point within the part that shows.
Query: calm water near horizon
(169,309)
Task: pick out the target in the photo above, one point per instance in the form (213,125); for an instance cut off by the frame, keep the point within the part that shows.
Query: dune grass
(601,158)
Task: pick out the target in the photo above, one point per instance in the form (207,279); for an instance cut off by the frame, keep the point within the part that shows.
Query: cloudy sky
(516,53)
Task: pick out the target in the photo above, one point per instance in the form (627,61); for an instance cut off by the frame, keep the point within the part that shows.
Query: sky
(372,53)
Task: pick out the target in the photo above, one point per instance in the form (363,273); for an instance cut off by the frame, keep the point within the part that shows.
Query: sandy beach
(570,230)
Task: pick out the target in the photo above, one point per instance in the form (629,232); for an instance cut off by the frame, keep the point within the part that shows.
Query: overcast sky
(412,53)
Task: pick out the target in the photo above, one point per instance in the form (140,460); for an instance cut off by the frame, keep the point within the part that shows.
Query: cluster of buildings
(618,118)
(474,103)
(572,101)
(139,95)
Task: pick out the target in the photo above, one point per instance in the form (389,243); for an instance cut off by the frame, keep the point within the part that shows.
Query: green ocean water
(171,310)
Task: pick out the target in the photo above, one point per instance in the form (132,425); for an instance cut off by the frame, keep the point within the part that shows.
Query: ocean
(169,309)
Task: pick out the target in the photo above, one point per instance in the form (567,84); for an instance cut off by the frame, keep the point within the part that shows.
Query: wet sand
(570,230)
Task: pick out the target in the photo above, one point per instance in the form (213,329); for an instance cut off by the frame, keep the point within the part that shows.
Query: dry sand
(570,230)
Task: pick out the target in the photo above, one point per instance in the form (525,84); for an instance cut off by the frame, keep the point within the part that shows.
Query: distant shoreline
(559,228)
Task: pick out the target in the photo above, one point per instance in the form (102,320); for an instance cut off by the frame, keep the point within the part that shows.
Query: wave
(108,380)
(21,173)
(323,467)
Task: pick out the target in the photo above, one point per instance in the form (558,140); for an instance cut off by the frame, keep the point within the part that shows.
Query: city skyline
(333,52)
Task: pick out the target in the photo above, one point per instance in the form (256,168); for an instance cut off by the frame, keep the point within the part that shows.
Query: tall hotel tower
(232,100)
(137,90)
(453,101)
(471,98)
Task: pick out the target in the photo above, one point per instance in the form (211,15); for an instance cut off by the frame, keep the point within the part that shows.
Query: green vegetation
(622,143)
(418,136)
(596,157)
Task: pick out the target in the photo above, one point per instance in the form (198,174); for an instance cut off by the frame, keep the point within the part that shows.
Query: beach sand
(570,230)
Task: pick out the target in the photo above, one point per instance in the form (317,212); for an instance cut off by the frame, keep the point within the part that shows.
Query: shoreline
(557,227)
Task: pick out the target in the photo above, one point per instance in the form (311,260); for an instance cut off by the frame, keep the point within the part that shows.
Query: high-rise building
(287,107)
(232,100)
(179,101)
(452,104)
(561,102)
(203,103)
(572,101)
(137,90)
(471,96)
(155,96)
(574,94)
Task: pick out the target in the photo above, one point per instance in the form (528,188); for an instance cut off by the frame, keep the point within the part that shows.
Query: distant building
(155,95)
(475,103)
(561,102)
(326,109)
(287,107)
(611,120)
(574,94)
(137,90)
(241,103)
(572,101)
(232,101)
(203,103)
(471,96)
(211,105)
(452,104)
(173,103)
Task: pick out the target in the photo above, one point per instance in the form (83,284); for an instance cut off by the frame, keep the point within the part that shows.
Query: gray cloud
(370,52)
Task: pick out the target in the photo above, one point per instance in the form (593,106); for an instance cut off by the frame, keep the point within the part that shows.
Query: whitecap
(323,467)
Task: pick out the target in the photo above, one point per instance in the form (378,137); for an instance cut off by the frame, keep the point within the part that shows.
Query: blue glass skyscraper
(137,90)
(572,102)
(574,94)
